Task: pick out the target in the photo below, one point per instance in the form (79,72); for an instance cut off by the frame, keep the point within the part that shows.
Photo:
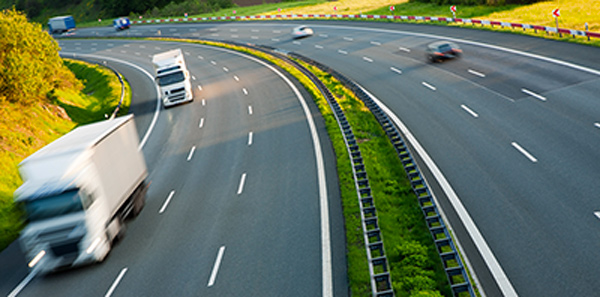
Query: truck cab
(172,77)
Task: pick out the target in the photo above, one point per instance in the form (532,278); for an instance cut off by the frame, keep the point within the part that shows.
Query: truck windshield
(172,78)
(53,206)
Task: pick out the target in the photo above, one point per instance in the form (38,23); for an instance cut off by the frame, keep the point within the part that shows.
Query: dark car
(442,50)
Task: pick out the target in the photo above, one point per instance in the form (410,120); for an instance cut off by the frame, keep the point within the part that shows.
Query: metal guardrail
(453,266)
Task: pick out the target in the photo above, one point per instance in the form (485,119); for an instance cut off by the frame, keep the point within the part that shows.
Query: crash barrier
(453,265)
(536,28)
(105,64)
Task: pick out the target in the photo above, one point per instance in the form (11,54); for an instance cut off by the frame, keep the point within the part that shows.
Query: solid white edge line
(23,284)
(326,265)
(250,136)
(215,270)
(428,86)
(191,154)
(476,73)
(156,110)
(116,282)
(524,152)
(164,206)
(488,256)
(396,70)
(241,185)
(470,111)
(535,95)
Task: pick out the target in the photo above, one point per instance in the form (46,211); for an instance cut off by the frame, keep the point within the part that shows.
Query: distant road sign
(556,13)
(453,8)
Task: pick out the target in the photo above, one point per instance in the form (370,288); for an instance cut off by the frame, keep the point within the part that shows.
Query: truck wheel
(139,200)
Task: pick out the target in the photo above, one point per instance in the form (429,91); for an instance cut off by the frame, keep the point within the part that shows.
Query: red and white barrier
(396,17)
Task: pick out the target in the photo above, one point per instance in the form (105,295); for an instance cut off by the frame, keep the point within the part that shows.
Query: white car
(301,32)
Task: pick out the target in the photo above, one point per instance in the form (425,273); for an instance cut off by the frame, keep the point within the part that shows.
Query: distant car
(121,23)
(442,50)
(301,32)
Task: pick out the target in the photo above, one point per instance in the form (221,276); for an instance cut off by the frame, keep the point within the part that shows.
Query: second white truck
(172,77)
(77,193)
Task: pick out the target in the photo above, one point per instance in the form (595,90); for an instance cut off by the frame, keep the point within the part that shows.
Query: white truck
(172,77)
(77,193)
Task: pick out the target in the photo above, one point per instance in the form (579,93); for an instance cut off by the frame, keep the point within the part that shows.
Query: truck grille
(66,248)
(174,91)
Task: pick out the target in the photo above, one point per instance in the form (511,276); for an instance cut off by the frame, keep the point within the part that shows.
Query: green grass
(23,130)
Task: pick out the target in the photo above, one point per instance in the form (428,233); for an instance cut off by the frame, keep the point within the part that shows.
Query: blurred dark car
(442,50)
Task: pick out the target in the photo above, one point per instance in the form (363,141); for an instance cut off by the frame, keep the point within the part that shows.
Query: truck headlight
(37,258)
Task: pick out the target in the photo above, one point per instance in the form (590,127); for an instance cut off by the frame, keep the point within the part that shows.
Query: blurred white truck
(77,193)
(172,77)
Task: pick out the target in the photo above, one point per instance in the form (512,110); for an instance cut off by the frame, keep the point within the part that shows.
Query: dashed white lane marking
(255,30)
(213,62)
(597,214)
(164,206)
(116,282)
(396,70)
(199,87)
(203,102)
(368,59)
(201,124)
(225,69)
(138,54)
(343,52)
(253,37)
(323,35)
(297,42)
(597,125)
(404,49)
(250,136)
(476,73)
(193,77)
(233,30)
(236,78)
(467,109)
(201,57)
(533,94)
(429,86)
(245,91)
(242,183)
(215,270)
(376,43)
(524,152)
(318,46)
(276,31)
(250,109)
(275,39)
(191,154)
(348,38)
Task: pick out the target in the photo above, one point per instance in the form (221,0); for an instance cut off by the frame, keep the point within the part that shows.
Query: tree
(30,67)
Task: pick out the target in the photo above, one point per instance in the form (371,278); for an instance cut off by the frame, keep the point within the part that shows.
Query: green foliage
(30,67)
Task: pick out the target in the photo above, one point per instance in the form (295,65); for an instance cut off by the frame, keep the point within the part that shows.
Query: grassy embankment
(23,130)
(401,221)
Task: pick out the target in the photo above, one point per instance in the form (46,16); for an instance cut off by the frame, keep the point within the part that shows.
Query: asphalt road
(233,207)
(513,126)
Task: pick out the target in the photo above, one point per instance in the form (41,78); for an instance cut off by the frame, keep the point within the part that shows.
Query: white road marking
(122,52)
(23,284)
(368,59)
(186,53)
(275,39)
(201,124)
(164,206)
(250,135)
(348,38)
(200,87)
(254,37)
(116,282)
(235,36)
(524,152)
(323,35)
(233,30)
(404,49)
(157,48)
(429,86)
(535,95)
(193,77)
(318,46)
(297,42)
(201,57)
(241,185)
(236,78)
(597,214)
(213,275)
(245,91)
(191,154)
(376,43)
(79,43)
(276,31)
(215,34)
(477,73)
(137,54)
(225,69)
(484,249)
(396,70)
(597,125)
(203,102)
(467,109)
(213,62)
(255,30)
(250,109)
(343,52)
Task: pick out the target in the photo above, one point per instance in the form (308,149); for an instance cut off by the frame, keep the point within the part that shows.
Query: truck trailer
(77,192)
(172,77)
(61,24)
